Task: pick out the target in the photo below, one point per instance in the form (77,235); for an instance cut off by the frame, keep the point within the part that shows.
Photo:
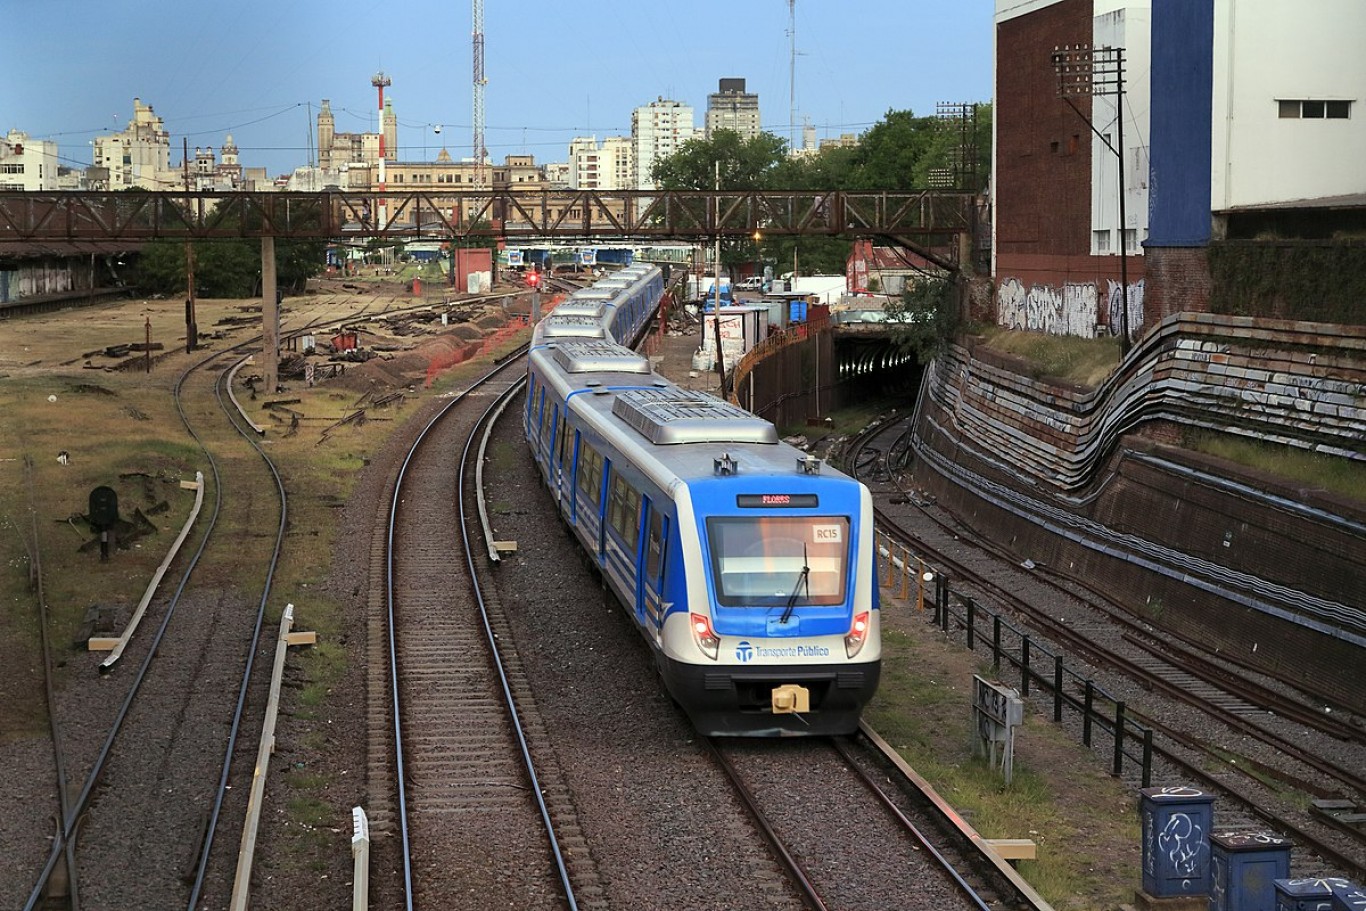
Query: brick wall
(1178,279)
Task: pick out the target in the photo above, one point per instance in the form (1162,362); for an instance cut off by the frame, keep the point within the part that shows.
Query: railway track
(1283,724)
(181,685)
(922,858)
(457,753)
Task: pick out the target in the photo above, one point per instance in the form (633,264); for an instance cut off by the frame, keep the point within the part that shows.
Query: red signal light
(533,279)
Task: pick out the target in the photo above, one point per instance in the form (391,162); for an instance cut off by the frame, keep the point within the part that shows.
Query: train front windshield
(763,561)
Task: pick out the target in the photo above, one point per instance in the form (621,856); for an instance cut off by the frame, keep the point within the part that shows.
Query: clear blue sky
(555,70)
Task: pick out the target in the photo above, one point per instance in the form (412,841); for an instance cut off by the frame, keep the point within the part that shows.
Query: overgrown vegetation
(925,319)
(1320,281)
(225,268)
(1069,358)
(1334,474)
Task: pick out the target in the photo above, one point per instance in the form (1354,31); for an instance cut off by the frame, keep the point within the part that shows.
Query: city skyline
(262,75)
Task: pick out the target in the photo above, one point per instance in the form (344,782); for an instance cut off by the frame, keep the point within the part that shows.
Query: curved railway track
(1273,714)
(132,814)
(457,756)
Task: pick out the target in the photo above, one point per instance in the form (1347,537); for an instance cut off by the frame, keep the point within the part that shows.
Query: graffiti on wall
(1073,309)
(1070,310)
(1115,301)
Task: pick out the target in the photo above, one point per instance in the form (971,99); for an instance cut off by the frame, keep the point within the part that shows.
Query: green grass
(1334,474)
(1061,797)
(1081,361)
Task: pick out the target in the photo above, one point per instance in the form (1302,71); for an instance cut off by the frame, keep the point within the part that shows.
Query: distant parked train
(748,567)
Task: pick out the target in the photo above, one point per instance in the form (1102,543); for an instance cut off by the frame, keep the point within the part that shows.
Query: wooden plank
(1014,848)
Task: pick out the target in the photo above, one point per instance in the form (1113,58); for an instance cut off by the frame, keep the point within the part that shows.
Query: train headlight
(858,634)
(706,640)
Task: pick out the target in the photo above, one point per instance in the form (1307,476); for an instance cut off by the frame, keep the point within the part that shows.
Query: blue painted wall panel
(1180,156)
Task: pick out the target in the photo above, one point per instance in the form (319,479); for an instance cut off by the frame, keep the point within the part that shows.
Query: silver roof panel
(585,356)
(673,415)
(569,326)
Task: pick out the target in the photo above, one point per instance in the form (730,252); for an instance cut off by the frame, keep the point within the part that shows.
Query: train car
(747,567)
(618,307)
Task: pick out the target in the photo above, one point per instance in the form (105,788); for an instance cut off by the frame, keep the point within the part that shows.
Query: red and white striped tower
(379,81)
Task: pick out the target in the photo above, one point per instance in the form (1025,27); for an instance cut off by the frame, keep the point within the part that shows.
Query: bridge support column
(270,319)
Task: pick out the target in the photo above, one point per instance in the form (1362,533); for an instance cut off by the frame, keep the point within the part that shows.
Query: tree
(225,268)
(925,319)
(746,164)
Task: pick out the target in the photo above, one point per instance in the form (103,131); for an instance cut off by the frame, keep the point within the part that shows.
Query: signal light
(533,279)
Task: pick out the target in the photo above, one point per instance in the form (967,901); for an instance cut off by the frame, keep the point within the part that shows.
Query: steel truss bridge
(924,220)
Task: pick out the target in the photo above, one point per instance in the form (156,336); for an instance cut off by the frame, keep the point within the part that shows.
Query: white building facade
(1289,81)
(1125,24)
(609,166)
(140,156)
(658,130)
(27,164)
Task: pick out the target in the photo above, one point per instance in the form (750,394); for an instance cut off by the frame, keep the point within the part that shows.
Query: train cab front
(783,635)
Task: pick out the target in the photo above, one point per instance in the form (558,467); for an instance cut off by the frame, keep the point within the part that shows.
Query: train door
(588,499)
(650,589)
(561,458)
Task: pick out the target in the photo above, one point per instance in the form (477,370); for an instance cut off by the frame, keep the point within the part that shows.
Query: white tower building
(657,131)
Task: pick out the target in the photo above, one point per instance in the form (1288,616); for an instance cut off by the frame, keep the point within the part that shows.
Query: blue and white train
(748,567)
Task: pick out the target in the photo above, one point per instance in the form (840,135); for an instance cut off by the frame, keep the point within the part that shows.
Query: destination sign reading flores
(792,500)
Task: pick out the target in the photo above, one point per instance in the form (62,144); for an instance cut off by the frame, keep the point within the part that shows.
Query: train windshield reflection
(757,561)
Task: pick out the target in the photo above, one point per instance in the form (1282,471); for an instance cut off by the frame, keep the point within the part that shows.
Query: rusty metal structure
(927,221)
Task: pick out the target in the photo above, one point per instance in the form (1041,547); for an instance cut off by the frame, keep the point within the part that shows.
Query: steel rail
(810,896)
(390,621)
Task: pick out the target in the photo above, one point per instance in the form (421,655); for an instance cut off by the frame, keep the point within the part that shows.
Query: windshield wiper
(802,577)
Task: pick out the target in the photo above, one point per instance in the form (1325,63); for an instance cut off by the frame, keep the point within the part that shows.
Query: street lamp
(758,257)
(1084,70)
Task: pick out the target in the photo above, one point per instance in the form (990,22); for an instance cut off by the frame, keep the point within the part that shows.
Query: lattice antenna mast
(792,75)
(480,152)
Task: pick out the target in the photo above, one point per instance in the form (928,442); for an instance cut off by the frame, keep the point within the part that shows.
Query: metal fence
(1015,653)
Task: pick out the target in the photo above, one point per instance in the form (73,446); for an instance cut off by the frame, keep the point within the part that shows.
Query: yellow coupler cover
(790,698)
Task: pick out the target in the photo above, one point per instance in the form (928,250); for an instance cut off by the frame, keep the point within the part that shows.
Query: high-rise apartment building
(611,166)
(732,108)
(140,156)
(658,130)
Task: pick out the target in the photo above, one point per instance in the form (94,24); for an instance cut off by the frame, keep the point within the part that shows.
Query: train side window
(623,511)
(563,446)
(654,546)
(548,415)
(590,474)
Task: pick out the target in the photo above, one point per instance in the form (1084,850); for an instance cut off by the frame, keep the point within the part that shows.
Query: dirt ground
(1093,817)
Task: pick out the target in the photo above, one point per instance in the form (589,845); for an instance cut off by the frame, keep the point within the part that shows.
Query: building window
(1314,109)
(1101,240)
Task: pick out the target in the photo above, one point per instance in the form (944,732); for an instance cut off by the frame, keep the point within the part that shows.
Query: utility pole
(191,326)
(1084,70)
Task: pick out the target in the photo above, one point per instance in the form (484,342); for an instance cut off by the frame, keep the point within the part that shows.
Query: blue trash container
(1306,894)
(1350,897)
(1176,830)
(1243,869)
